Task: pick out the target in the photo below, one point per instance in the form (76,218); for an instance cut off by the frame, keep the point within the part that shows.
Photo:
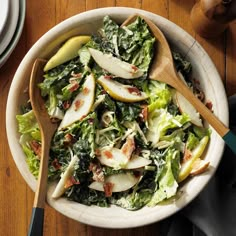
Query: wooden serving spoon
(47,129)
(163,70)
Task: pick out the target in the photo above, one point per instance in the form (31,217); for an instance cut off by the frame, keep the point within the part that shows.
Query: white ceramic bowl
(203,69)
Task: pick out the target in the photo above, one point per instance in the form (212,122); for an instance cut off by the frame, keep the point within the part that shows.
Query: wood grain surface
(16,198)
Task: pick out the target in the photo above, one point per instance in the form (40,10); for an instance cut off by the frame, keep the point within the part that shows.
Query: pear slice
(121,92)
(82,103)
(188,164)
(199,166)
(113,157)
(115,66)
(60,188)
(116,158)
(68,51)
(137,162)
(186,107)
(120,182)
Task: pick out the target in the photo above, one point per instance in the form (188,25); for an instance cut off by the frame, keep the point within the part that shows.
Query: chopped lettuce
(32,160)
(167,184)
(159,94)
(27,122)
(160,121)
(29,129)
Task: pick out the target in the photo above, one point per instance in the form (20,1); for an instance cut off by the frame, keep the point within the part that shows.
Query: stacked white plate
(12,16)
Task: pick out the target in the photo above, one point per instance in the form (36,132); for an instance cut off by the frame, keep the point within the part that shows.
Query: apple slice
(60,188)
(119,182)
(68,51)
(121,92)
(186,107)
(81,105)
(187,165)
(116,158)
(115,66)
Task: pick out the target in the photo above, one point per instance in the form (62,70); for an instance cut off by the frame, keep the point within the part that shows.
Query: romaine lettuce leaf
(159,95)
(27,122)
(167,181)
(160,121)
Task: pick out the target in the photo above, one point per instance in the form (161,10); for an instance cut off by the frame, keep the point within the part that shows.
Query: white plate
(5,55)
(4,10)
(10,25)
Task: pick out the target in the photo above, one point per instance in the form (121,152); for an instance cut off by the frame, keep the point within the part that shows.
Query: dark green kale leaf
(128,111)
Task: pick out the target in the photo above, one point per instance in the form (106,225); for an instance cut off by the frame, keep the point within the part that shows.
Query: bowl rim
(87,215)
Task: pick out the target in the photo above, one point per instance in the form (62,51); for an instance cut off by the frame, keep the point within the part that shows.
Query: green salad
(122,138)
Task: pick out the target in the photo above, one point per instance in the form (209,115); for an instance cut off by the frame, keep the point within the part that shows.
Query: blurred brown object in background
(210,18)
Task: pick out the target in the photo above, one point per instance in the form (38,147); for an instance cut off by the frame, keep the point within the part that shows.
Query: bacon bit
(78,104)
(103,92)
(134,90)
(97,172)
(108,154)
(137,174)
(128,147)
(69,139)
(70,182)
(74,86)
(97,152)
(85,90)
(108,189)
(196,81)
(78,75)
(144,113)
(138,150)
(56,164)
(90,121)
(187,155)
(135,68)
(66,105)
(209,105)
(107,76)
(36,147)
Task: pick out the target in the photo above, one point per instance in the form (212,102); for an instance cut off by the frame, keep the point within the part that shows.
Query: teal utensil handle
(230,140)
(36,224)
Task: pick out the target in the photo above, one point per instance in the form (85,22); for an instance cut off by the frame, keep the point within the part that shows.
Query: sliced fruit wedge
(61,186)
(137,162)
(115,66)
(121,92)
(82,103)
(116,159)
(113,157)
(68,51)
(119,182)
(196,153)
(186,107)
(199,166)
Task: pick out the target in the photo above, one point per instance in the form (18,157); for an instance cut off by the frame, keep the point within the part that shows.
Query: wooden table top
(16,198)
